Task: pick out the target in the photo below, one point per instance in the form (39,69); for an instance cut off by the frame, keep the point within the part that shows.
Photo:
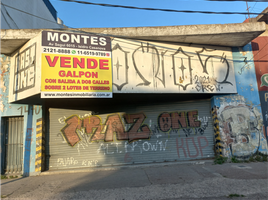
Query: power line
(254,5)
(5,18)
(256,54)
(165,10)
(9,17)
(29,13)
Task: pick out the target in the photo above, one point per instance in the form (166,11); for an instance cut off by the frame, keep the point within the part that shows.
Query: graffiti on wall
(126,147)
(183,146)
(25,64)
(71,161)
(171,68)
(177,120)
(102,139)
(93,129)
(238,128)
(105,131)
(4,68)
(5,62)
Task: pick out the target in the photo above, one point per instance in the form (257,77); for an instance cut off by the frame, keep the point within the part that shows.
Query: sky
(75,15)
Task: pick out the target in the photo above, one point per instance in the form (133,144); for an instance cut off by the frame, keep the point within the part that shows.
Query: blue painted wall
(238,118)
(31,114)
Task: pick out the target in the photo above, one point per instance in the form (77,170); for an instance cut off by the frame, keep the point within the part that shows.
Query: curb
(111,168)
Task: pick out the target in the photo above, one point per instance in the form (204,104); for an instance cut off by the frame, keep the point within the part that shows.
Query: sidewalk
(201,180)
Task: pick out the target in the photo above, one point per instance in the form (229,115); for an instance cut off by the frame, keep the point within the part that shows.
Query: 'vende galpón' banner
(75,66)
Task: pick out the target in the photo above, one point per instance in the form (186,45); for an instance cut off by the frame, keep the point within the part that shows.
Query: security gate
(13,145)
(146,133)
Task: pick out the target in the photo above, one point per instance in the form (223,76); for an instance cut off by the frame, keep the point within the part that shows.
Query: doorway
(12,145)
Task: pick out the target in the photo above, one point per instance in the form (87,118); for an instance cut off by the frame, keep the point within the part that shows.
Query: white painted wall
(149,67)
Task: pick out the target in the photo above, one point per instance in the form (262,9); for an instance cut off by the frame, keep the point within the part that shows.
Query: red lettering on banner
(52,63)
(79,74)
(61,73)
(71,74)
(64,61)
(81,63)
(68,62)
(94,74)
(90,62)
(104,63)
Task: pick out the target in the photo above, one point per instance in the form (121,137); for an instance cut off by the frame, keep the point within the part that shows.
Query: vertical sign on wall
(75,66)
(25,67)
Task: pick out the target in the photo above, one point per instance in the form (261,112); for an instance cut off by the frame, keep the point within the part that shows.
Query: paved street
(196,180)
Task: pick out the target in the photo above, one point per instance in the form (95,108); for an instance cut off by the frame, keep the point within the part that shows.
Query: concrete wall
(32,116)
(238,121)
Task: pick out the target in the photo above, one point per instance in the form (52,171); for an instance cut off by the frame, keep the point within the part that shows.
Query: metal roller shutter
(178,131)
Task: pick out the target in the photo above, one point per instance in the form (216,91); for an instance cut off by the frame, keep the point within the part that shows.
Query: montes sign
(75,65)
(74,40)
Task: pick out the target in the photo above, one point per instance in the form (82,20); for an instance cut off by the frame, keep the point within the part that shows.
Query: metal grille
(173,145)
(14,145)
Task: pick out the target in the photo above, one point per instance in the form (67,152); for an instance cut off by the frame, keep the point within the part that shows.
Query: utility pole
(248,9)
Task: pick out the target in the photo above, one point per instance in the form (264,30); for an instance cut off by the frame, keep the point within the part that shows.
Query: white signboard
(75,65)
(141,67)
(25,71)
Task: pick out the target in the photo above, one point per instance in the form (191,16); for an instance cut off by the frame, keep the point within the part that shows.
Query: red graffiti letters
(188,149)
(192,121)
(137,120)
(92,126)
(177,120)
(69,130)
(199,144)
(190,143)
(180,147)
(114,125)
(105,132)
